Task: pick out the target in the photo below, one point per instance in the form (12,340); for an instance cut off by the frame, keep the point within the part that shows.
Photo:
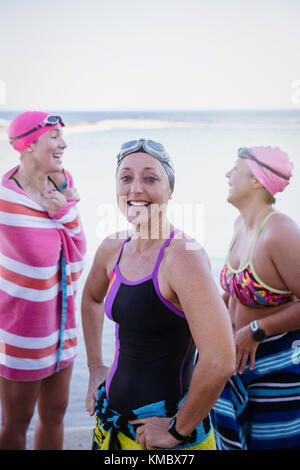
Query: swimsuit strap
(231,245)
(53,182)
(49,178)
(17,182)
(254,243)
(160,254)
(161,251)
(121,249)
(258,233)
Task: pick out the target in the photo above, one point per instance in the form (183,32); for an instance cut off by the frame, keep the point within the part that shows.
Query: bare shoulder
(188,273)
(282,238)
(280,229)
(185,252)
(109,248)
(104,260)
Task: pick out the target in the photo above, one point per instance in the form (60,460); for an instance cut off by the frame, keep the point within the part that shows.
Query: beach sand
(75,438)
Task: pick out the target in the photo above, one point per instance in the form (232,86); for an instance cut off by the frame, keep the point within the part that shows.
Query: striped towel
(41,259)
(260,409)
(114,432)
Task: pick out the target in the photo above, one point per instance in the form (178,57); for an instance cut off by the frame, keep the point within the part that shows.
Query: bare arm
(284,247)
(92,308)
(210,325)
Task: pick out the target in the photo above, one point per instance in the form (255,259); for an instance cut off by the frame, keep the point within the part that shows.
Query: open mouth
(139,203)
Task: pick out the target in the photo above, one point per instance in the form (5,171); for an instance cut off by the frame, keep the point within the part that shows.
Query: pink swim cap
(24,123)
(270,166)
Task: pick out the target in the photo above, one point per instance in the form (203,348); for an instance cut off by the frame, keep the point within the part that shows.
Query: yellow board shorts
(101,441)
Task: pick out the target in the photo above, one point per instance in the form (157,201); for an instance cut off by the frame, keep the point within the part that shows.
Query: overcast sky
(149,54)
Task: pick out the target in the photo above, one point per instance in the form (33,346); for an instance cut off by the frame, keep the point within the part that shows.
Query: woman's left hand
(53,201)
(246,348)
(153,433)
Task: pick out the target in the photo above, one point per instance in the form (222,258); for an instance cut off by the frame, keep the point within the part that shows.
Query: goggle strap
(246,154)
(48,124)
(142,143)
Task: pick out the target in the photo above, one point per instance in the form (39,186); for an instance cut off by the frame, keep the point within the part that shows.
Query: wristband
(174,433)
(257,334)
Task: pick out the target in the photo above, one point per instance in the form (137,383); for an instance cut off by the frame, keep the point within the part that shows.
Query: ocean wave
(124,124)
(120,124)
(4,122)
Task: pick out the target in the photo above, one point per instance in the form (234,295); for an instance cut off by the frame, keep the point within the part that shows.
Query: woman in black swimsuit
(166,305)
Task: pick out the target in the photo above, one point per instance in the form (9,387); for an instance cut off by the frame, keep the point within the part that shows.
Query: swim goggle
(155,149)
(245,153)
(48,121)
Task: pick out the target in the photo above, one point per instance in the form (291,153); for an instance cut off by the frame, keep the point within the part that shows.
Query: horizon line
(147,110)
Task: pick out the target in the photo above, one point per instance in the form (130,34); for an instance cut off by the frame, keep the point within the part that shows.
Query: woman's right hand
(53,201)
(97,376)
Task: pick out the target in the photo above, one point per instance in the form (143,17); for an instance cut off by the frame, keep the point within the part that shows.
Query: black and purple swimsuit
(154,352)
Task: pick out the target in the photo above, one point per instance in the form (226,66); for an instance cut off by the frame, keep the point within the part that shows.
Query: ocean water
(203,146)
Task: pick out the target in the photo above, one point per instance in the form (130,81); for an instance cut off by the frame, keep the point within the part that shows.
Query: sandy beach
(75,438)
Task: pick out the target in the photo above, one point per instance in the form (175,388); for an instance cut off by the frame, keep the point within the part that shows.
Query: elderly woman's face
(142,187)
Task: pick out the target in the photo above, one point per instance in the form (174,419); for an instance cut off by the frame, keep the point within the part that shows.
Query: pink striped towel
(34,338)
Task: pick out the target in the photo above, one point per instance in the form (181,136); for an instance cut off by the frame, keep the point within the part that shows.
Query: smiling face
(240,182)
(142,188)
(47,151)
